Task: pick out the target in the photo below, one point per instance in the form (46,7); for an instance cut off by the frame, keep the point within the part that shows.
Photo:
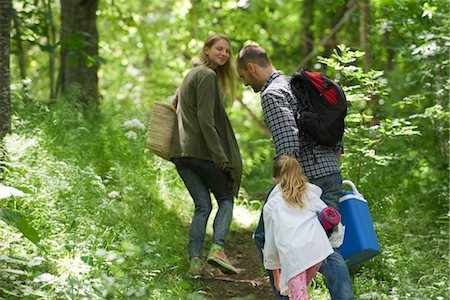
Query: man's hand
(338,154)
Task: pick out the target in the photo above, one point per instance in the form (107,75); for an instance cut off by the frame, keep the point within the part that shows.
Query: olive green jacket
(204,130)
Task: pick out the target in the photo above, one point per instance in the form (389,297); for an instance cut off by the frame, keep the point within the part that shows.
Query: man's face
(249,79)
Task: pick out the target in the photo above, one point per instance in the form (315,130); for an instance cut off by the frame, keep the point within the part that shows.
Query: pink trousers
(298,285)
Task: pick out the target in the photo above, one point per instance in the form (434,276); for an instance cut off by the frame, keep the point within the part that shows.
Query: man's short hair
(252,54)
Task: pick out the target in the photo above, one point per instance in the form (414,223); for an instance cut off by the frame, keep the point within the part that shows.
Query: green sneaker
(198,269)
(217,258)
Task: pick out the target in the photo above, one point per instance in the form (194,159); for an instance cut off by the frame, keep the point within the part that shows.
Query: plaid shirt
(279,106)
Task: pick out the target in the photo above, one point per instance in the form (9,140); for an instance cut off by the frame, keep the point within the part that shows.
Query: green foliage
(110,215)
(19,221)
(96,198)
(406,185)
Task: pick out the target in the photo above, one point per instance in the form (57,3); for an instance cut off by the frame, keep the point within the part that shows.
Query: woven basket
(161,125)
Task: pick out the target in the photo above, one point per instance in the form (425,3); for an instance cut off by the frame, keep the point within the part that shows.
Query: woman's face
(218,53)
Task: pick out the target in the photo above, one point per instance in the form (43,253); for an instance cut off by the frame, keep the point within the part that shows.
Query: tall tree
(79,50)
(19,45)
(5,89)
(364,20)
(330,35)
(50,31)
(306,34)
(334,18)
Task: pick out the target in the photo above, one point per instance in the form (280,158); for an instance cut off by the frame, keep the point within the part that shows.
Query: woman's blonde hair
(288,173)
(227,72)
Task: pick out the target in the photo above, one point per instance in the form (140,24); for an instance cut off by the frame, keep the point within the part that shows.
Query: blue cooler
(360,241)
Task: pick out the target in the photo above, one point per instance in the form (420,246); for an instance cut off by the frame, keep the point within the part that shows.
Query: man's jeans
(334,268)
(201,177)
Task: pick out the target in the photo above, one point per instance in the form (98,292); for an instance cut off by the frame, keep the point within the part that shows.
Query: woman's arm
(207,90)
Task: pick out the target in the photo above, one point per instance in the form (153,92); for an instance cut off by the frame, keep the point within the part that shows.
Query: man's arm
(281,123)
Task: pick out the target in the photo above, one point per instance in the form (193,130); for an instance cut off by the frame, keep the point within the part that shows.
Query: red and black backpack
(322,106)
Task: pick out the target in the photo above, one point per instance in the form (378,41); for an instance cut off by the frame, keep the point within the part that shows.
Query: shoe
(217,258)
(198,269)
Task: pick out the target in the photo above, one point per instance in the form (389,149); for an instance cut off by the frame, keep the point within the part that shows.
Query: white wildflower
(114,194)
(131,135)
(134,123)
(112,256)
(100,252)
(429,49)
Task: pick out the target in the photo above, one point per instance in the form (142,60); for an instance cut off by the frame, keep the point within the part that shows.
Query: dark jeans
(202,177)
(334,268)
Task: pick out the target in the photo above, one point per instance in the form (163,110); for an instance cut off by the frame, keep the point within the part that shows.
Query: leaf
(16,219)
(46,277)
(7,191)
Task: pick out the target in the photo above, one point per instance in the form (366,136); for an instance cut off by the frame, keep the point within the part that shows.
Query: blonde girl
(295,241)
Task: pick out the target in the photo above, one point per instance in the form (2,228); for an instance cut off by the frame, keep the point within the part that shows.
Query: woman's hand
(175,99)
(223,165)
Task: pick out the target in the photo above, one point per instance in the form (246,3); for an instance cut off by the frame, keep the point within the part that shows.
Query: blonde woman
(295,240)
(205,151)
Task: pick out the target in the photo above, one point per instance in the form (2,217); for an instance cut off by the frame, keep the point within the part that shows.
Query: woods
(98,216)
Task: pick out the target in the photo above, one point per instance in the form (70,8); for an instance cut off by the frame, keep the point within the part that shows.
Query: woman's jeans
(334,268)
(202,177)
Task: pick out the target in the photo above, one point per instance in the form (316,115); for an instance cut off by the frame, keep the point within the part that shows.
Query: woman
(205,151)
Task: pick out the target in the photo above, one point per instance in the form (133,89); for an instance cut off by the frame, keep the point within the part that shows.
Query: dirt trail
(251,282)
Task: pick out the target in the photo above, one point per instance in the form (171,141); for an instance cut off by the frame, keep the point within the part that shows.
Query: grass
(103,207)
(112,219)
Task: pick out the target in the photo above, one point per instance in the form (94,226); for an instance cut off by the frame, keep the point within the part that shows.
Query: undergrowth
(112,217)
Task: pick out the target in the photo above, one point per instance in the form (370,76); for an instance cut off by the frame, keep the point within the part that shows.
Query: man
(319,163)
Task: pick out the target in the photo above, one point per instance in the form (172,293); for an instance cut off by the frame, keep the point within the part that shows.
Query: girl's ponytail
(288,173)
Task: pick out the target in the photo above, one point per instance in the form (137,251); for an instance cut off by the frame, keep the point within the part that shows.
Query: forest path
(250,283)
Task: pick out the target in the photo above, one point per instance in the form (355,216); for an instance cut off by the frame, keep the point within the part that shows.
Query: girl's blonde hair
(227,72)
(288,173)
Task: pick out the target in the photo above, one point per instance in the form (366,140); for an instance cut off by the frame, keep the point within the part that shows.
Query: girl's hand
(276,278)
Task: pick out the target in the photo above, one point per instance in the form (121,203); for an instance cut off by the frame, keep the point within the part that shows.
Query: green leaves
(16,219)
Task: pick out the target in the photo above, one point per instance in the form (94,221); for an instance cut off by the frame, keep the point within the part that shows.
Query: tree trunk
(334,17)
(21,52)
(389,51)
(5,89)
(79,50)
(364,20)
(51,40)
(306,35)
(333,31)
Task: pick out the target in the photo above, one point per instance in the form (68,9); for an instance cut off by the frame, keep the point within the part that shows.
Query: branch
(330,35)
(254,119)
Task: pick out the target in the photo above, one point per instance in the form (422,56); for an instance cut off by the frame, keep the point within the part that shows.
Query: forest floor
(250,283)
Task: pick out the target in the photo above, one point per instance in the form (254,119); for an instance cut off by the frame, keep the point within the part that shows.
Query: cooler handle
(352,185)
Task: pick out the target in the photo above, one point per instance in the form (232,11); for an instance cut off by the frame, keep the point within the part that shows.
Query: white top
(294,238)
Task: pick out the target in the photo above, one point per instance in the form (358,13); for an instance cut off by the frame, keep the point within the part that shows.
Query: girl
(295,240)
(205,151)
